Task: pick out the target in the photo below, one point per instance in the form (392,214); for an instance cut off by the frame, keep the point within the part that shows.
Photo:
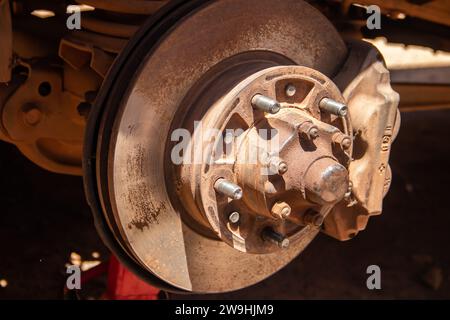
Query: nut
(281,210)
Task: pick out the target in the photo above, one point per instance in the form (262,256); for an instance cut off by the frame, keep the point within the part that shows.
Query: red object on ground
(124,285)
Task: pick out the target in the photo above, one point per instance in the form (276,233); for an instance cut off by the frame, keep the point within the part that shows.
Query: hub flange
(285,164)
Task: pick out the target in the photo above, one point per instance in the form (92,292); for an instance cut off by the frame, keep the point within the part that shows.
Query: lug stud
(234,217)
(271,235)
(333,107)
(266,104)
(229,189)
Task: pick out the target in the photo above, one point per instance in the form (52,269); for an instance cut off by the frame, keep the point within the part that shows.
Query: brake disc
(224,220)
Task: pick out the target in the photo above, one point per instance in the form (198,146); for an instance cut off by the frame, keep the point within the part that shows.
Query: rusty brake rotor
(223,210)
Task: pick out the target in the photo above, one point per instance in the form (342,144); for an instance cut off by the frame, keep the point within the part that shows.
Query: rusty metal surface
(373,106)
(312,177)
(151,227)
(78,55)
(42,120)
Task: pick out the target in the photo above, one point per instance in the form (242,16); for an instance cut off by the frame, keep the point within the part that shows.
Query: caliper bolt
(333,107)
(314,218)
(234,217)
(281,210)
(229,189)
(266,104)
(271,235)
(310,130)
(278,166)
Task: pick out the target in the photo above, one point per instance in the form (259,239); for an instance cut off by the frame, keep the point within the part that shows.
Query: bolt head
(313,133)
(282,168)
(309,130)
(33,116)
(346,143)
(278,166)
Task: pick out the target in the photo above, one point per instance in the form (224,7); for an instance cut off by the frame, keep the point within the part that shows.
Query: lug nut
(234,217)
(310,130)
(266,104)
(229,189)
(281,210)
(271,235)
(291,90)
(278,166)
(333,107)
(314,218)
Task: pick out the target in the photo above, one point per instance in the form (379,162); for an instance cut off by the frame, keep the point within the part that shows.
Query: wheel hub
(268,152)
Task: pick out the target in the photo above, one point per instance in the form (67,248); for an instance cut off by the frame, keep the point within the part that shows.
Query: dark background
(44,217)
